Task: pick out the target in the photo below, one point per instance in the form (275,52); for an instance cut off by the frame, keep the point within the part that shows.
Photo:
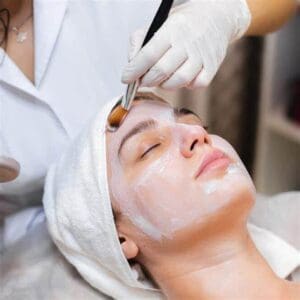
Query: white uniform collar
(281,256)
(48,18)
(11,75)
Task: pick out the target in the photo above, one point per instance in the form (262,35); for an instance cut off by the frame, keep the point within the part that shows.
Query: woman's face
(167,174)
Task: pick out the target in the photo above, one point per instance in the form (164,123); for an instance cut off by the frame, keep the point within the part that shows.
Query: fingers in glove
(165,67)
(147,57)
(203,79)
(183,75)
(211,62)
(136,41)
(206,75)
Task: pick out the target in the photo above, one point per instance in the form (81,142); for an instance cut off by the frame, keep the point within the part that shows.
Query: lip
(213,160)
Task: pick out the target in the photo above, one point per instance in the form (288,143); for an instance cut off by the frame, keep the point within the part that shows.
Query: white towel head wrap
(80,219)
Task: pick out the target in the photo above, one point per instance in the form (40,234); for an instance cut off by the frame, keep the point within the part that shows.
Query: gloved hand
(190,46)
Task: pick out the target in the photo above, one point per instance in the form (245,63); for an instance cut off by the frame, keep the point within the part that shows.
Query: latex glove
(190,46)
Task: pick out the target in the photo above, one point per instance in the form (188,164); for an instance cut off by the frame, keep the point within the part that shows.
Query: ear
(129,247)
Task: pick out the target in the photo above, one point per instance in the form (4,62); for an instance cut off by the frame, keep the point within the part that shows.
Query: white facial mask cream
(166,198)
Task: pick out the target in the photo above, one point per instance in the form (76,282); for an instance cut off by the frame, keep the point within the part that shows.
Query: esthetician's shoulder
(280,214)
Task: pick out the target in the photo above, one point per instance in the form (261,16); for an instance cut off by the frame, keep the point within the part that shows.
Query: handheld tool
(118,114)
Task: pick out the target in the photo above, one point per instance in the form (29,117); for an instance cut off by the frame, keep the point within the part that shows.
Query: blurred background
(254,103)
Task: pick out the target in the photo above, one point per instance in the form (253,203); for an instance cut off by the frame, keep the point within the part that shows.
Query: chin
(230,212)
(232,199)
(242,199)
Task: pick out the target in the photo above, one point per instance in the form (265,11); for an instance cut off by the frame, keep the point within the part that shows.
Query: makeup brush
(119,113)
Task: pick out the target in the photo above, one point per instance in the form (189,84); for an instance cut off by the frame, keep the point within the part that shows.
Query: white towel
(282,257)
(80,218)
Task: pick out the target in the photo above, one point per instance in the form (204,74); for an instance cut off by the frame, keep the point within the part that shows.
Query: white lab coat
(80,49)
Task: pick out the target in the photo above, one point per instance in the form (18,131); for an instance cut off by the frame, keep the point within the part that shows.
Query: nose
(192,137)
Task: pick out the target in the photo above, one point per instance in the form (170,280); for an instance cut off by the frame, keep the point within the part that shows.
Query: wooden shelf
(277,161)
(283,126)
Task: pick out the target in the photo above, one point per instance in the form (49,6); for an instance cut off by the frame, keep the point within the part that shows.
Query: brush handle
(159,19)
(130,95)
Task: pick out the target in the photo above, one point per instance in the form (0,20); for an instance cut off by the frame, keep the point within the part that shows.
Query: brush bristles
(116,116)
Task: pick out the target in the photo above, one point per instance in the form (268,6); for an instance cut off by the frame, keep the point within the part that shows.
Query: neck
(230,269)
(16,7)
(13,6)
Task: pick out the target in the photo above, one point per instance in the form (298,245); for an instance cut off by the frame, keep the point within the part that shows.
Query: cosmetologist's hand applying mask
(190,47)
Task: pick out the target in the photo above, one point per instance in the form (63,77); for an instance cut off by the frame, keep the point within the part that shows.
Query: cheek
(158,194)
(235,188)
(164,205)
(157,202)
(237,179)
(223,145)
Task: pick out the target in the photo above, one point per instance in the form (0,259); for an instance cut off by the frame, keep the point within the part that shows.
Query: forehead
(148,109)
(140,111)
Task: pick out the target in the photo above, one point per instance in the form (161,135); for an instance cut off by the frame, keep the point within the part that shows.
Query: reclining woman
(166,216)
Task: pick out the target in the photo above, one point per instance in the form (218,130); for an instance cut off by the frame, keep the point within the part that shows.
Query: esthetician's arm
(269,15)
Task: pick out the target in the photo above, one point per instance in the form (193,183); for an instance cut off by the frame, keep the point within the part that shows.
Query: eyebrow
(138,128)
(151,124)
(184,111)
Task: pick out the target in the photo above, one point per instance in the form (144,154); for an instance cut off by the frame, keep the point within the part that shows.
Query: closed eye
(150,149)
